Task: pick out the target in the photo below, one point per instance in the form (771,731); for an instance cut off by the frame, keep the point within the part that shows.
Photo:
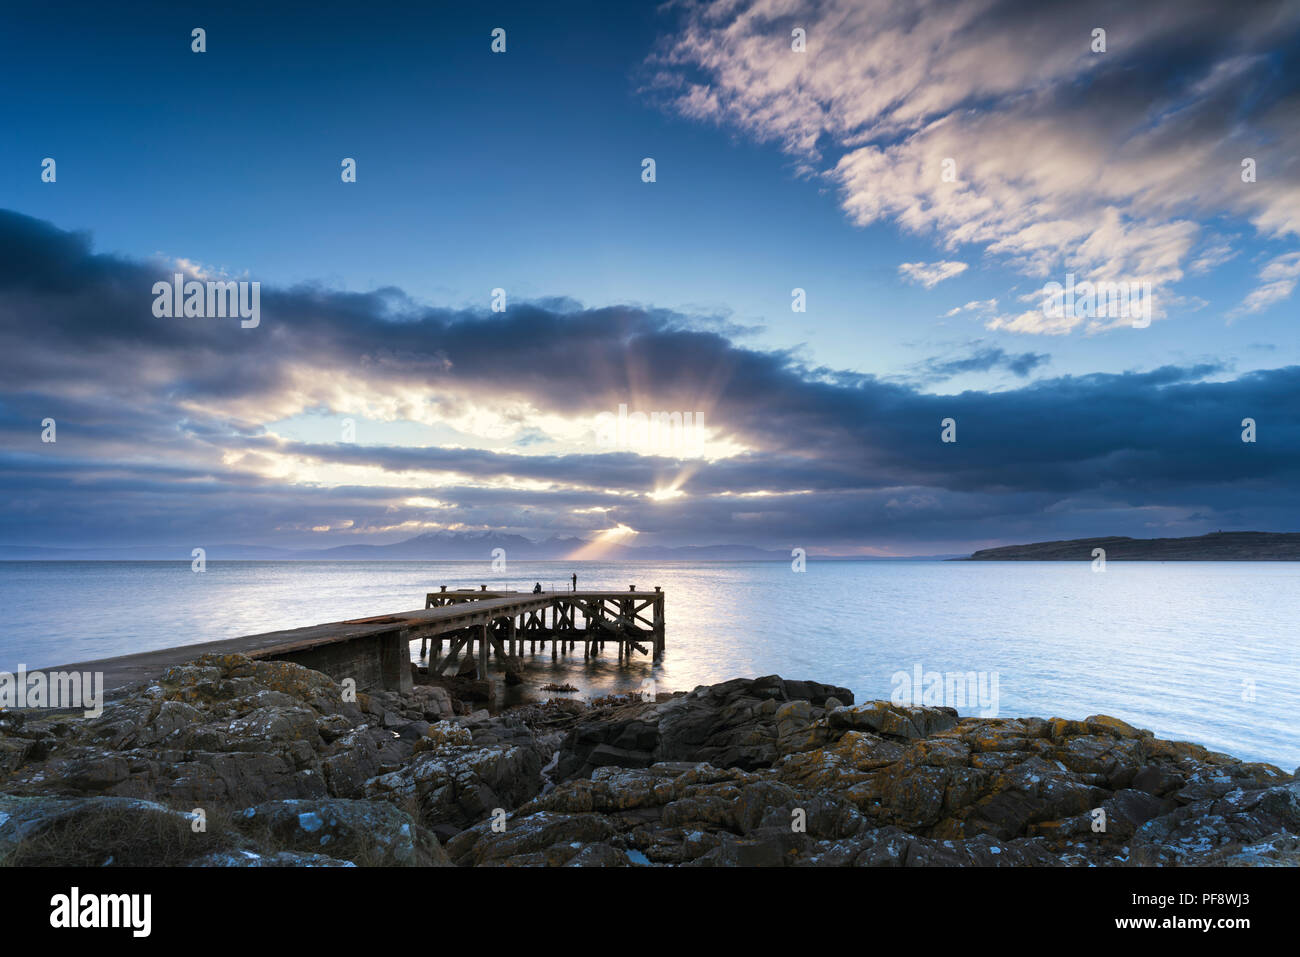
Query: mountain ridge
(1211,547)
(428,546)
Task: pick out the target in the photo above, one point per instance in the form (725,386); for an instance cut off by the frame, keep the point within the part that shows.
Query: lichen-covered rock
(343,828)
(456,785)
(750,772)
(105,831)
(892,786)
(223,730)
(1242,827)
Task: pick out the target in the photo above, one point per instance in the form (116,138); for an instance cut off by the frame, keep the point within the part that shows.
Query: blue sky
(775,170)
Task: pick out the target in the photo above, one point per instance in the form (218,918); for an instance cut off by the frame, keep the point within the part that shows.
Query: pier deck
(375,651)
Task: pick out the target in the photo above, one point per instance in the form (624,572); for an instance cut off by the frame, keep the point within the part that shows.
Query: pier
(375,652)
(504,623)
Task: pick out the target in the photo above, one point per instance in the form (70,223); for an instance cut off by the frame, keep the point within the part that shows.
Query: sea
(1199,651)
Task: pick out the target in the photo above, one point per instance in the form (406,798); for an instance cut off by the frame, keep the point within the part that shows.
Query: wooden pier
(375,652)
(505,623)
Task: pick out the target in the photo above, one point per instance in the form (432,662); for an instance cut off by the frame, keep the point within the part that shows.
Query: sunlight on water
(1164,646)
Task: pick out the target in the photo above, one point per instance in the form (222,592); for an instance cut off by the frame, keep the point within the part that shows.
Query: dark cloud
(163,426)
(982,359)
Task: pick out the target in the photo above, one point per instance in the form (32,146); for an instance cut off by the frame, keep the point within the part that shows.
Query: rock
(770,847)
(748,772)
(514,670)
(99,831)
(433,701)
(373,830)
(742,723)
(445,734)
(599,855)
(461,774)
(1127,810)
(889,786)
(104,831)
(548,839)
(1157,780)
(223,730)
(278,859)
(14,753)
(1241,827)
(893,721)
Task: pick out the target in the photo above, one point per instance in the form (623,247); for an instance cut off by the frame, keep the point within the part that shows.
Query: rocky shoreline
(228,761)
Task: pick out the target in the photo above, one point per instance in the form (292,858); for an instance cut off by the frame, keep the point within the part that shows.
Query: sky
(854,212)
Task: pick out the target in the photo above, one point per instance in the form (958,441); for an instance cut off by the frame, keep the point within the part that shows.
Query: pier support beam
(395,661)
(658,631)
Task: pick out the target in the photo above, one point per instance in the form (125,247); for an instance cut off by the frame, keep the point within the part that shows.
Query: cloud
(979,306)
(173,430)
(991,123)
(982,359)
(930,275)
(1278,279)
(1217,251)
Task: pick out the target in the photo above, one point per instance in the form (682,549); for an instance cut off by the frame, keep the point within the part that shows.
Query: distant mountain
(143,553)
(1214,547)
(452,546)
(697,553)
(429,547)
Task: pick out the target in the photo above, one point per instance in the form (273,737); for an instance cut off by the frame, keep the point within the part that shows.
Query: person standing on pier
(575,581)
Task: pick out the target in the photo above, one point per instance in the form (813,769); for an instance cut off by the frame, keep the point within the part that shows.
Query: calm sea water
(1174,647)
